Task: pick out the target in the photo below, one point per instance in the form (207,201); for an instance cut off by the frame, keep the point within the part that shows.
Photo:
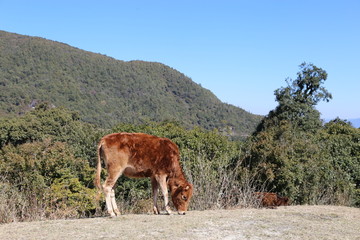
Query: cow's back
(143,154)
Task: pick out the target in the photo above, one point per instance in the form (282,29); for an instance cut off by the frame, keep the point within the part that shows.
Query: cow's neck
(177,179)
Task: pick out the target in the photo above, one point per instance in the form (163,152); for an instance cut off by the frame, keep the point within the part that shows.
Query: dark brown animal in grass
(271,200)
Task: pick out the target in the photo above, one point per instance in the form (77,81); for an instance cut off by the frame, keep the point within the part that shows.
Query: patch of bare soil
(293,222)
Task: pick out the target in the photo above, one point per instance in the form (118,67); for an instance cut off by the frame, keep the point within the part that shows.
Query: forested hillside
(106,91)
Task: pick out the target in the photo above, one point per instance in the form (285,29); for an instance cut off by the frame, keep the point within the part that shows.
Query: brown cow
(140,155)
(271,200)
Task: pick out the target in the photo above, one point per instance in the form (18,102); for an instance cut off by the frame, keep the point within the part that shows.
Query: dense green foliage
(300,158)
(313,168)
(47,161)
(106,91)
(47,158)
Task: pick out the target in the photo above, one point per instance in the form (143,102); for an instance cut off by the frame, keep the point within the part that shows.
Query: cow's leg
(110,194)
(155,192)
(163,186)
(113,203)
(107,192)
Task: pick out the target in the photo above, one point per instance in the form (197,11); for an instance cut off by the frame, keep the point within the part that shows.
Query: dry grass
(294,222)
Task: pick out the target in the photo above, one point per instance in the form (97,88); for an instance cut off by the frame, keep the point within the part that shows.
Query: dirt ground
(293,222)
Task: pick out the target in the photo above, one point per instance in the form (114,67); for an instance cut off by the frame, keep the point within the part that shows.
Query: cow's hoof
(168,211)
(156,211)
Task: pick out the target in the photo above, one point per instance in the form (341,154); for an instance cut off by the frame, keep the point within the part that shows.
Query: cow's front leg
(164,190)
(155,192)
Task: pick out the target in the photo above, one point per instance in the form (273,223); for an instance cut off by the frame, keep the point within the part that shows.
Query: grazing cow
(271,200)
(139,155)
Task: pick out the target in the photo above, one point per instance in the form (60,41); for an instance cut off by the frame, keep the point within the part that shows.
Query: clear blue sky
(240,50)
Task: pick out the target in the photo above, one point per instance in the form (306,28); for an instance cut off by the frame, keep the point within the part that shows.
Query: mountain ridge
(106,91)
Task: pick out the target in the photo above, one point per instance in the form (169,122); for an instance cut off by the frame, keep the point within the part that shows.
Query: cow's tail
(97,180)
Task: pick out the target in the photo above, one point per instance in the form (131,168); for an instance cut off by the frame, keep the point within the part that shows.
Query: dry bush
(223,185)
(18,205)
(10,200)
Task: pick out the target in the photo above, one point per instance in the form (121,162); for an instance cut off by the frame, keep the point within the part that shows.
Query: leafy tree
(312,168)
(296,156)
(297,101)
(58,124)
(342,146)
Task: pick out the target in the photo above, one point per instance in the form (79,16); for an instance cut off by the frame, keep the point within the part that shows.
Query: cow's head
(181,195)
(282,201)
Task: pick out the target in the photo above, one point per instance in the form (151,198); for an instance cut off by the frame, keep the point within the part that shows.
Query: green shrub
(49,178)
(310,168)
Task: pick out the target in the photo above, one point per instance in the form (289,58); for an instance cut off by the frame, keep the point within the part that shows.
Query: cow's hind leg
(110,194)
(155,192)
(113,203)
